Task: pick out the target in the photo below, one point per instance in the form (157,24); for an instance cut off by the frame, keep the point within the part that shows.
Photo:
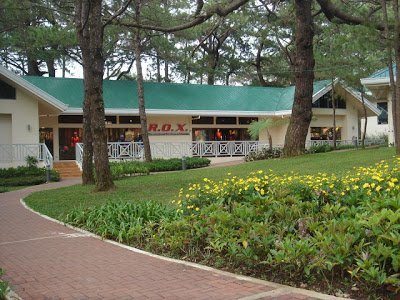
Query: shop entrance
(69,137)
(46,137)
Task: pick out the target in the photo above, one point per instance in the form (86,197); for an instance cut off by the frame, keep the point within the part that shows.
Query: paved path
(46,260)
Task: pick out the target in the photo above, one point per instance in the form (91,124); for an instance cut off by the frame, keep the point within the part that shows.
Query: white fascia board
(29,87)
(367,103)
(375,81)
(121,111)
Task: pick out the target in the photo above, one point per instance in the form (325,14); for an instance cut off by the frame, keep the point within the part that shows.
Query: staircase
(67,169)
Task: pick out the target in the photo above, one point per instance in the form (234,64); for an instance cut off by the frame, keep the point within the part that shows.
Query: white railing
(128,150)
(354,142)
(134,151)
(17,153)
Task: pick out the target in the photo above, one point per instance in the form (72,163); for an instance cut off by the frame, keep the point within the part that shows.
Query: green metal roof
(122,94)
(382,73)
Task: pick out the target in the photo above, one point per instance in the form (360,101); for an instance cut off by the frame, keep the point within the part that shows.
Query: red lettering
(181,127)
(166,127)
(153,127)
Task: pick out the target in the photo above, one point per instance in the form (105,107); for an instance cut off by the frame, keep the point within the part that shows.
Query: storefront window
(129,120)
(325,133)
(202,120)
(70,119)
(226,120)
(246,121)
(220,134)
(123,134)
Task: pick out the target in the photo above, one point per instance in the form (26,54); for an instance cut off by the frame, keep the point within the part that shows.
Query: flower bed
(318,229)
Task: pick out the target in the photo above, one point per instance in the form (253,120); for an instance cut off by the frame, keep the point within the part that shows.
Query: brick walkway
(46,260)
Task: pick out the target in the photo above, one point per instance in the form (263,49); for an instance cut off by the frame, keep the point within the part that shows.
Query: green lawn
(165,186)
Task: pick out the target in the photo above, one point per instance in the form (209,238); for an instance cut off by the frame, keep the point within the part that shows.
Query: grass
(165,187)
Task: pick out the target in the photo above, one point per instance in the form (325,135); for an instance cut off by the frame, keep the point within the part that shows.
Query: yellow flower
(378,188)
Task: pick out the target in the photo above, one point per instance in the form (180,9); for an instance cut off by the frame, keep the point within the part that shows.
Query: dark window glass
(325,133)
(246,121)
(325,101)
(69,119)
(226,120)
(383,116)
(129,120)
(203,120)
(111,120)
(220,134)
(7,91)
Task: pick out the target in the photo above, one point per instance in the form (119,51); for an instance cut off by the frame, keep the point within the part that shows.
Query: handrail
(10,153)
(79,154)
(47,157)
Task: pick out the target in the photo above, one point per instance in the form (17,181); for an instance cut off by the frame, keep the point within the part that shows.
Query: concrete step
(67,169)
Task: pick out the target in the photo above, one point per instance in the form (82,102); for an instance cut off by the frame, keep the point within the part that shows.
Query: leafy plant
(265,153)
(4,286)
(31,161)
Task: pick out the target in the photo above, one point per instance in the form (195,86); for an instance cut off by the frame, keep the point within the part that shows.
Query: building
(49,111)
(379,85)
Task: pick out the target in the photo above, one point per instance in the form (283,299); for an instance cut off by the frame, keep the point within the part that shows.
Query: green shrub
(320,148)
(132,168)
(20,176)
(4,286)
(264,153)
(24,180)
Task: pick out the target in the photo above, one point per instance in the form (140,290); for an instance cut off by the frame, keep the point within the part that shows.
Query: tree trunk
(87,159)
(50,68)
(63,66)
(140,86)
(389,47)
(166,72)
(212,65)
(158,67)
(93,63)
(304,76)
(334,114)
(33,68)
(84,41)
(366,121)
(258,66)
(269,140)
(395,104)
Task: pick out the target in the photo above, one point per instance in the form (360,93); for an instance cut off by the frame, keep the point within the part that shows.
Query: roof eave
(367,103)
(29,87)
(375,81)
(126,111)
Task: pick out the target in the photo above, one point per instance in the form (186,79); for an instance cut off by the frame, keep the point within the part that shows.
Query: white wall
(373,128)
(5,129)
(25,118)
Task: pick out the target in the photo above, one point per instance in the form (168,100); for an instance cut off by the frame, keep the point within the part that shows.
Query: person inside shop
(75,139)
(139,139)
(121,139)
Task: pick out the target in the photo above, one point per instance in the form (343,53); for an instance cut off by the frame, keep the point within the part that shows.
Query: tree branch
(200,18)
(117,13)
(334,14)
